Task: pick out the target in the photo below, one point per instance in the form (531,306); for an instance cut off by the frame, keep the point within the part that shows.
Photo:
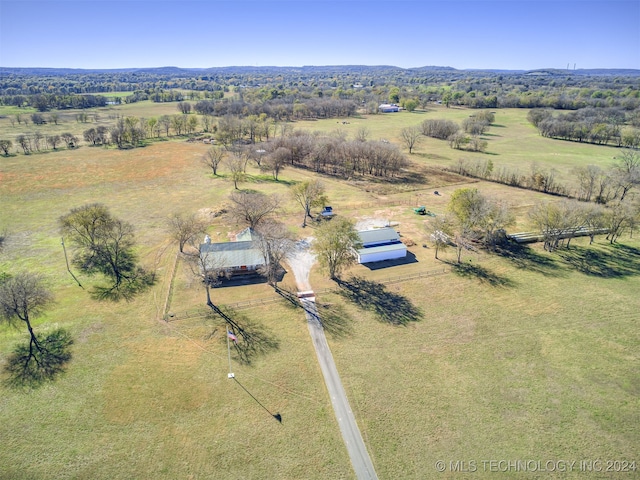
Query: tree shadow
(334,319)
(526,258)
(470,270)
(387,306)
(614,261)
(139,281)
(253,339)
(268,179)
(28,368)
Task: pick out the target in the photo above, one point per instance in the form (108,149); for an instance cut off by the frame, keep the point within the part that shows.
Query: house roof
(378,236)
(231,254)
(246,235)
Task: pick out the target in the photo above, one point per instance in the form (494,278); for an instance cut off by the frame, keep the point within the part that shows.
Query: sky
(472,34)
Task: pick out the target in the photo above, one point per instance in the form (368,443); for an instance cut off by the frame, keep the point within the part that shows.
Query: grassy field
(508,363)
(527,356)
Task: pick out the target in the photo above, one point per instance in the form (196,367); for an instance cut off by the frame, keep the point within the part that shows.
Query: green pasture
(521,356)
(512,141)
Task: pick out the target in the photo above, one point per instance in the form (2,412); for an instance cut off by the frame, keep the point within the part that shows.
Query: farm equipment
(423,211)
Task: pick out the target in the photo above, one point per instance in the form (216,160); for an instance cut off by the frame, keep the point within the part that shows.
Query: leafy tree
(334,245)
(105,245)
(411,104)
(557,221)
(478,216)
(310,193)
(192,124)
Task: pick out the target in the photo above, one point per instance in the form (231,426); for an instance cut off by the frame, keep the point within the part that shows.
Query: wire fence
(256,302)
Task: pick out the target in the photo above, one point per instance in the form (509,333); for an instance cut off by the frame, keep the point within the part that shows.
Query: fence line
(265,301)
(167,301)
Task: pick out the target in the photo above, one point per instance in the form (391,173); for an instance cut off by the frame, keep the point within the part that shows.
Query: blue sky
(462,34)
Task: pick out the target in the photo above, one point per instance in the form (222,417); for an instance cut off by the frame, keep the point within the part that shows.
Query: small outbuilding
(380,244)
(389,108)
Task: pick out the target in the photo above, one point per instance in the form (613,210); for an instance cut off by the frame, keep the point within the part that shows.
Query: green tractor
(423,211)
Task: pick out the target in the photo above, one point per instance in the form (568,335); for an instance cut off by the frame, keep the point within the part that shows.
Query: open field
(528,356)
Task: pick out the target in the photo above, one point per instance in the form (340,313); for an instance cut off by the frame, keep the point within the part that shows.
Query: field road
(350,433)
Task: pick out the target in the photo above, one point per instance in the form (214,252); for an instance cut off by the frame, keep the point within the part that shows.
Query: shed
(380,244)
(378,236)
(389,108)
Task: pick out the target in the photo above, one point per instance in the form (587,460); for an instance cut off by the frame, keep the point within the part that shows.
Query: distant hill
(315,69)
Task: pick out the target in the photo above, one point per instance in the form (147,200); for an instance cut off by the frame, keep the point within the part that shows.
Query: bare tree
(5,146)
(252,208)
(23,141)
(184,107)
(54,141)
(213,157)
(275,241)
(362,134)
(184,228)
(165,124)
(24,297)
(587,181)
(235,164)
(277,160)
(410,136)
(594,220)
(626,172)
(617,218)
(69,139)
(441,230)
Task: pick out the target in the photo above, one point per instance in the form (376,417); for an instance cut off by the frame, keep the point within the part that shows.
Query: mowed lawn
(529,357)
(518,360)
(143,398)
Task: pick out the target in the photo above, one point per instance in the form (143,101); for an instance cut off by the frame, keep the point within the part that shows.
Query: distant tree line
(592,183)
(333,155)
(602,126)
(44,102)
(460,137)
(367,86)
